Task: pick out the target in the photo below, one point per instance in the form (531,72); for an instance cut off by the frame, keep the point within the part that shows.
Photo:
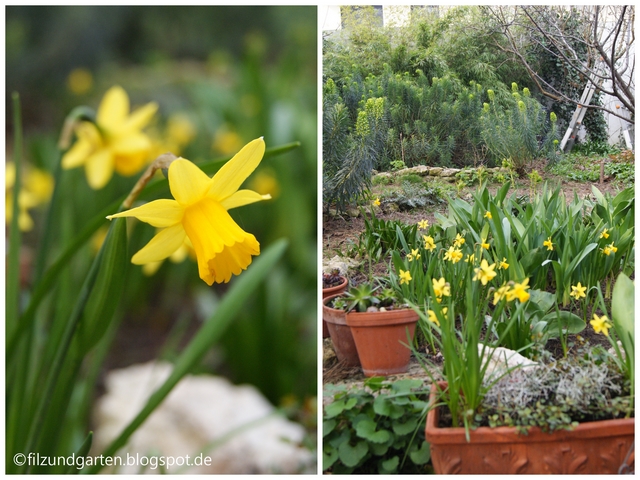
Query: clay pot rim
(334,315)
(336,288)
(390,317)
(456,435)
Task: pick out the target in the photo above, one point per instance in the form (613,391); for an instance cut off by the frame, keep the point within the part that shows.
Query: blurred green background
(222,77)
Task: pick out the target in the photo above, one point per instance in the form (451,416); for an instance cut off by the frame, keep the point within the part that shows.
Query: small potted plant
(332,284)
(382,329)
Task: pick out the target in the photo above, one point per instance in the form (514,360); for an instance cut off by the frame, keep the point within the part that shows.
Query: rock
(503,359)
(449,172)
(198,411)
(353,212)
(435,171)
(421,170)
(342,264)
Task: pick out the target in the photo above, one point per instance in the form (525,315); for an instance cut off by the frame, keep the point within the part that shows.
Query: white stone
(502,359)
(342,264)
(199,410)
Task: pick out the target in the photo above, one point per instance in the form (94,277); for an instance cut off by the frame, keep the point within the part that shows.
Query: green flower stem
(211,331)
(13,262)
(44,285)
(58,361)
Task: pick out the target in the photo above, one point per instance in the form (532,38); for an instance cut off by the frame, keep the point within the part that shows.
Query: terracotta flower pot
(340,333)
(592,447)
(327,292)
(381,340)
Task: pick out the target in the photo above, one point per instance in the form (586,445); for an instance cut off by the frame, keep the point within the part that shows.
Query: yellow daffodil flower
(519,291)
(500,293)
(423,224)
(226,141)
(605,233)
(199,212)
(503,264)
(414,255)
(429,244)
(488,215)
(114,142)
(185,250)
(453,254)
(432,315)
(376,202)
(609,249)
(577,291)
(470,258)
(485,272)
(405,277)
(37,187)
(547,243)
(600,324)
(80,81)
(459,241)
(484,244)
(441,287)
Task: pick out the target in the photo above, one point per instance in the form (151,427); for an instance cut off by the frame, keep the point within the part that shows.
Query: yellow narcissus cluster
(200,212)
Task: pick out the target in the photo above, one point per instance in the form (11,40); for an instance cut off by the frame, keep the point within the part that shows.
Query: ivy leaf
(367,429)
(351,456)
(422,455)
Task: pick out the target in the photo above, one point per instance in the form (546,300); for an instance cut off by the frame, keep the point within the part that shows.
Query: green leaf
(382,406)
(568,321)
(351,456)
(329,456)
(378,449)
(328,426)
(367,429)
(82,452)
(390,465)
(405,428)
(337,407)
(623,311)
(107,289)
(406,385)
(421,455)
(543,300)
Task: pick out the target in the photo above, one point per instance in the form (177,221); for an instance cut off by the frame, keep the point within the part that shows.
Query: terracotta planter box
(593,447)
(327,292)
(381,339)
(340,333)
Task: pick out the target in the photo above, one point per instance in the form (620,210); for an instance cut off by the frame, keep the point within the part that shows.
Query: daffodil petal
(88,141)
(187,182)
(99,168)
(243,197)
(159,213)
(235,171)
(131,144)
(141,117)
(113,109)
(161,246)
